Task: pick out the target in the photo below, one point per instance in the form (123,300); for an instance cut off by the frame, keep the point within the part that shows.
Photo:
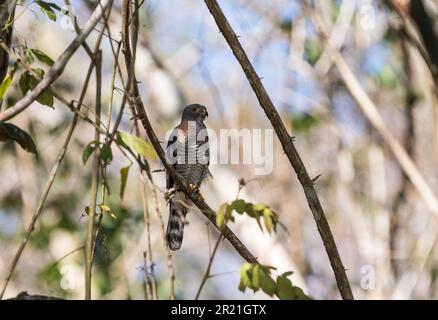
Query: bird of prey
(188,151)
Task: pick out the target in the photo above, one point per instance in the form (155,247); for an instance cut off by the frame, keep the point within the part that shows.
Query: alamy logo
(228,146)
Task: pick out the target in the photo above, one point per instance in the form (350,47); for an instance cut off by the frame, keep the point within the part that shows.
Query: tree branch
(197,199)
(58,67)
(288,147)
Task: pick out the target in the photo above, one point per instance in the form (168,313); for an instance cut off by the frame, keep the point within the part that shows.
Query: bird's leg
(169,193)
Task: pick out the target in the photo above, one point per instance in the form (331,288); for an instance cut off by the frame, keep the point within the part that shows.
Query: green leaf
(47,8)
(249,209)
(123,179)
(49,13)
(387,77)
(41,56)
(105,209)
(239,205)
(287,273)
(24,82)
(261,279)
(137,144)
(246,277)
(106,153)
(28,82)
(256,277)
(259,207)
(229,214)
(270,219)
(220,216)
(4,86)
(89,149)
(313,51)
(46,98)
(304,122)
(47,5)
(29,56)
(9,131)
(286,291)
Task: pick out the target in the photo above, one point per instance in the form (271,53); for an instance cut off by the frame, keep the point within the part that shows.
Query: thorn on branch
(316,178)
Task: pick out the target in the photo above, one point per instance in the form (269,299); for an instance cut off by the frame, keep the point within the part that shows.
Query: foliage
(253,275)
(258,277)
(256,211)
(8,131)
(49,9)
(106,154)
(304,122)
(123,180)
(130,141)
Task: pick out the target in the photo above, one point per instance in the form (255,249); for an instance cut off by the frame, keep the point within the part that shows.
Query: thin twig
(89,244)
(210,263)
(147,283)
(147,223)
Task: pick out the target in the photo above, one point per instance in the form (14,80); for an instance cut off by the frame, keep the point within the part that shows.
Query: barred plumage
(188,146)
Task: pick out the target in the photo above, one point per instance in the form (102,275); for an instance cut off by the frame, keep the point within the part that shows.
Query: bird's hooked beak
(204,113)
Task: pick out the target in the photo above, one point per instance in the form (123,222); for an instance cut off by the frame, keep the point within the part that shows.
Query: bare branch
(288,147)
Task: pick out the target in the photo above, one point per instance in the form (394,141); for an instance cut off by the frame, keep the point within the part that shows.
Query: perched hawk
(188,151)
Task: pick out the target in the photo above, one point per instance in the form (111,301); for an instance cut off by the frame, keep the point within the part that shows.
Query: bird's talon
(193,188)
(168,194)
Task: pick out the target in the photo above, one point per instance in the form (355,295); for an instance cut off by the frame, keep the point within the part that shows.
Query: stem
(89,245)
(210,263)
(146,216)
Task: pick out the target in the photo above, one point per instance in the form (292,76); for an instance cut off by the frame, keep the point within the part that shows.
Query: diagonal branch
(197,199)
(288,147)
(58,67)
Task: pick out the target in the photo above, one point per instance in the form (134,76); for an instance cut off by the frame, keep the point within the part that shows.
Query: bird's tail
(175,225)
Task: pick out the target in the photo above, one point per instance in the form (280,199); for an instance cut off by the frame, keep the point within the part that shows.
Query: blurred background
(385,233)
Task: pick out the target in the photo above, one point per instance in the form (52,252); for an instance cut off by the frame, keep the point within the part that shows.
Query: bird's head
(195,112)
